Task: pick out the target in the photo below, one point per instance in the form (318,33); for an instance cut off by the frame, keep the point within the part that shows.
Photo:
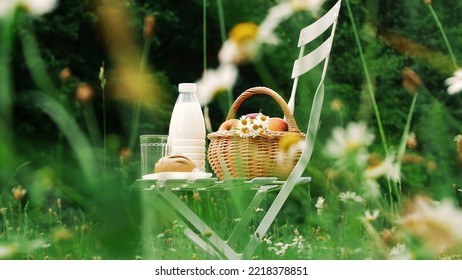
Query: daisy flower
(350,197)
(244,126)
(454,83)
(262,120)
(34,7)
(241,45)
(351,141)
(388,168)
(281,12)
(438,226)
(371,216)
(216,81)
(319,204)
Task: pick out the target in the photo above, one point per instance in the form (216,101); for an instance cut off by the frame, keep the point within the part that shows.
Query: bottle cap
(187,87)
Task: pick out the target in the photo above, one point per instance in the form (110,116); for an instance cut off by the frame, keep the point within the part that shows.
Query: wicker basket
(232,156)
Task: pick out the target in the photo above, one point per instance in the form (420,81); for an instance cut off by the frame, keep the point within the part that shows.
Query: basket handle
(291,124)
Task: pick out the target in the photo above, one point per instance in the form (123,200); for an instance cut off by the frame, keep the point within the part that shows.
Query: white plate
(177,175)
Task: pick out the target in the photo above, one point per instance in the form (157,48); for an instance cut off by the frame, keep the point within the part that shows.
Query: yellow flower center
(243,32)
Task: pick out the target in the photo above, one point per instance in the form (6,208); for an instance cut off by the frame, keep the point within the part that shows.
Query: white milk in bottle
(187,127)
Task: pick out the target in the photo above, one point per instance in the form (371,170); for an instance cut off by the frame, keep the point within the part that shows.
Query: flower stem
(204,34)
(368,78)
(137,105)
(445,38)
(6,96)
(221,18)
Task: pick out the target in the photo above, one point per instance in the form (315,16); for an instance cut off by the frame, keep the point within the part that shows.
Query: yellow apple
(228,125)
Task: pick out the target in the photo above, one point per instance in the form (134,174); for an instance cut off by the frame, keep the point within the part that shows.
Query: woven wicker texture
(232,156)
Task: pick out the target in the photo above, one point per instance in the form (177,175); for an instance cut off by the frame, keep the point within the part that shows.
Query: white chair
(302,65)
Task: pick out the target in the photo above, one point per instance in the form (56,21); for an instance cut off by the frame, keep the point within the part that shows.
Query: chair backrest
(305,63)
(302,65)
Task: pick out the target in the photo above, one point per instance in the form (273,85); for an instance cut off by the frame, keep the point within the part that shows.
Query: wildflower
(427,2)
(319,204)
(7,251)
(336,105)
(371,216)
(58,202)
(281,12)
(439,227)
(411,81)
(372,188)
(455,82)
(279,248)
(62,234)
(387,168)
(33,7)
(244,126)
(431,166)
(125,155)
(216,81)
(102,77)
(350,197)
(399,252)
(314,6)
(351,141)
(197,196)
(411,141)
(241,45)
(65,74)
(84,228)
(19,192)
(149,23)
(84,93)
(3,210)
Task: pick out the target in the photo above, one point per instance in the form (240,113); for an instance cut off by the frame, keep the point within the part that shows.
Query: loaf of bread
(174,163)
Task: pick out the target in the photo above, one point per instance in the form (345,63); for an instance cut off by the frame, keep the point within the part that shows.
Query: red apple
(252,115)
(277,124)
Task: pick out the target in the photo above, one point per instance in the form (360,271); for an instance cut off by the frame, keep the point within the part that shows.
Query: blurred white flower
(372,188)
(350,197)
(276,15)
(439,226)
(216,81)
(455,82)
(399,252)
(313,6)
(7,251)
(388,168)
(281,12)
(371,216)
(241,45)
(350,142)
(319,204)
(34,7)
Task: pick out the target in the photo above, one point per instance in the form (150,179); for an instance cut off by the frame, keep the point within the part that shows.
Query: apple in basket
(228,125)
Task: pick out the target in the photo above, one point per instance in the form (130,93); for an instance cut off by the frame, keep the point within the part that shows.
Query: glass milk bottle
(187,134)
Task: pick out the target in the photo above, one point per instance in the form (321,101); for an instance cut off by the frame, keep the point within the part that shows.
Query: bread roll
(174,163)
